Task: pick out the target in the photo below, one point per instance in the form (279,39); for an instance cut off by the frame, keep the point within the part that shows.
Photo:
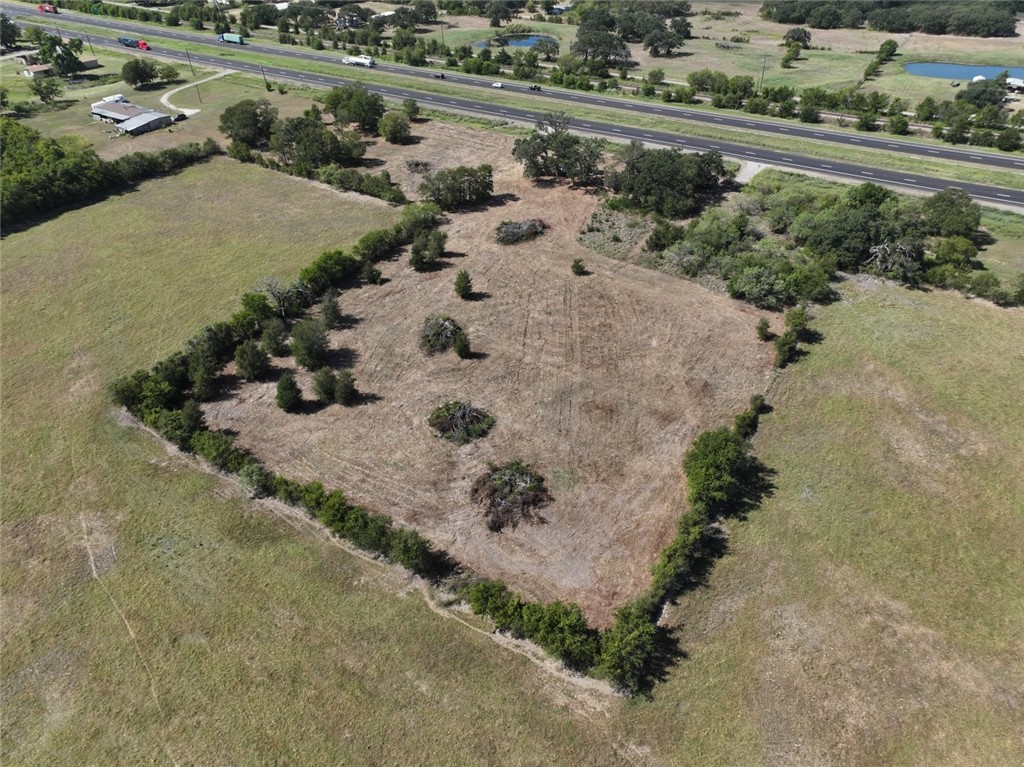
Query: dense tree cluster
(454,188)
(666,181)
(949,17)
(551,151)
(354,104)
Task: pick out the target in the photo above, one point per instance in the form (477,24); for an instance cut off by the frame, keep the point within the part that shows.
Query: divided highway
(793,161)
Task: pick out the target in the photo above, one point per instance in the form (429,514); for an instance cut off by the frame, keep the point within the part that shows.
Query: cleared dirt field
(600,381)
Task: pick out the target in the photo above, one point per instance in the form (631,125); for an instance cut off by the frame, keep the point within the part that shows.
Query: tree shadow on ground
(343,358)
(367,398)
(667,652)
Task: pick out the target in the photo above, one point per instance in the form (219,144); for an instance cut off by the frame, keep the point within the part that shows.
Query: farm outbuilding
(145,123)
(117,112)
(37,71)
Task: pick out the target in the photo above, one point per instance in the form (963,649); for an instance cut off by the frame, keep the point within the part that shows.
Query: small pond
(963,72)
(516,41)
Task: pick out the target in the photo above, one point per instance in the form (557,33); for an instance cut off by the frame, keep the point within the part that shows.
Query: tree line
(309,147)
(166,397)
(41,175)
(956,17)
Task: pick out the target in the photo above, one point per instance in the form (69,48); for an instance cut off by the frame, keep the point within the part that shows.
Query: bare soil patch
(599,382)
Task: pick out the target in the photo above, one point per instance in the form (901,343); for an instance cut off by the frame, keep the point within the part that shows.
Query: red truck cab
(143,45)
(46,8)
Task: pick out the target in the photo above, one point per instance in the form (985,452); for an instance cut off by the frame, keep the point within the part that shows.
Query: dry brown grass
(600,382)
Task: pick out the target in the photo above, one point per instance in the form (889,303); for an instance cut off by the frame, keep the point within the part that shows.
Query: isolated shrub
(289,396)
(329,311)
(252,362)
(345,392)
(463,285)
(764,331)
(578,267)
(410,108)
(436,241)
(394,127)
(461,345)
(510,493)
(256,481)
(324,381)
(785,349)
(274,338)
(309,344)
(511,232)
(798,320)
(460,422)
(439,333)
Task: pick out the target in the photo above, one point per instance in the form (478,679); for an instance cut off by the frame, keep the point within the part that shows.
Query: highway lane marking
(974,157)
(910,180)
(787,159)
(617,130)
(1000,194)
(823,165)
(893,146)
(658,109)
(932,151)
(819,134)
(866,173)
(585,125)
(752,154)
(855,140)
(714,146)
(784,129)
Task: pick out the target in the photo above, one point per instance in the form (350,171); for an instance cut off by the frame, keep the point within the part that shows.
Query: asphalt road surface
(782,159)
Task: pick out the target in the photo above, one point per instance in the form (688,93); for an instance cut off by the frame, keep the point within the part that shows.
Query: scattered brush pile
(460,422)
(440,333)
(510,494)
(511,232)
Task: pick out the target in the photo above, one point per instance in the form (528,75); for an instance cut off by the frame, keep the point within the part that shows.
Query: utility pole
(90,45)
(264,77)
(764,65)
(190,62)
(200,95)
